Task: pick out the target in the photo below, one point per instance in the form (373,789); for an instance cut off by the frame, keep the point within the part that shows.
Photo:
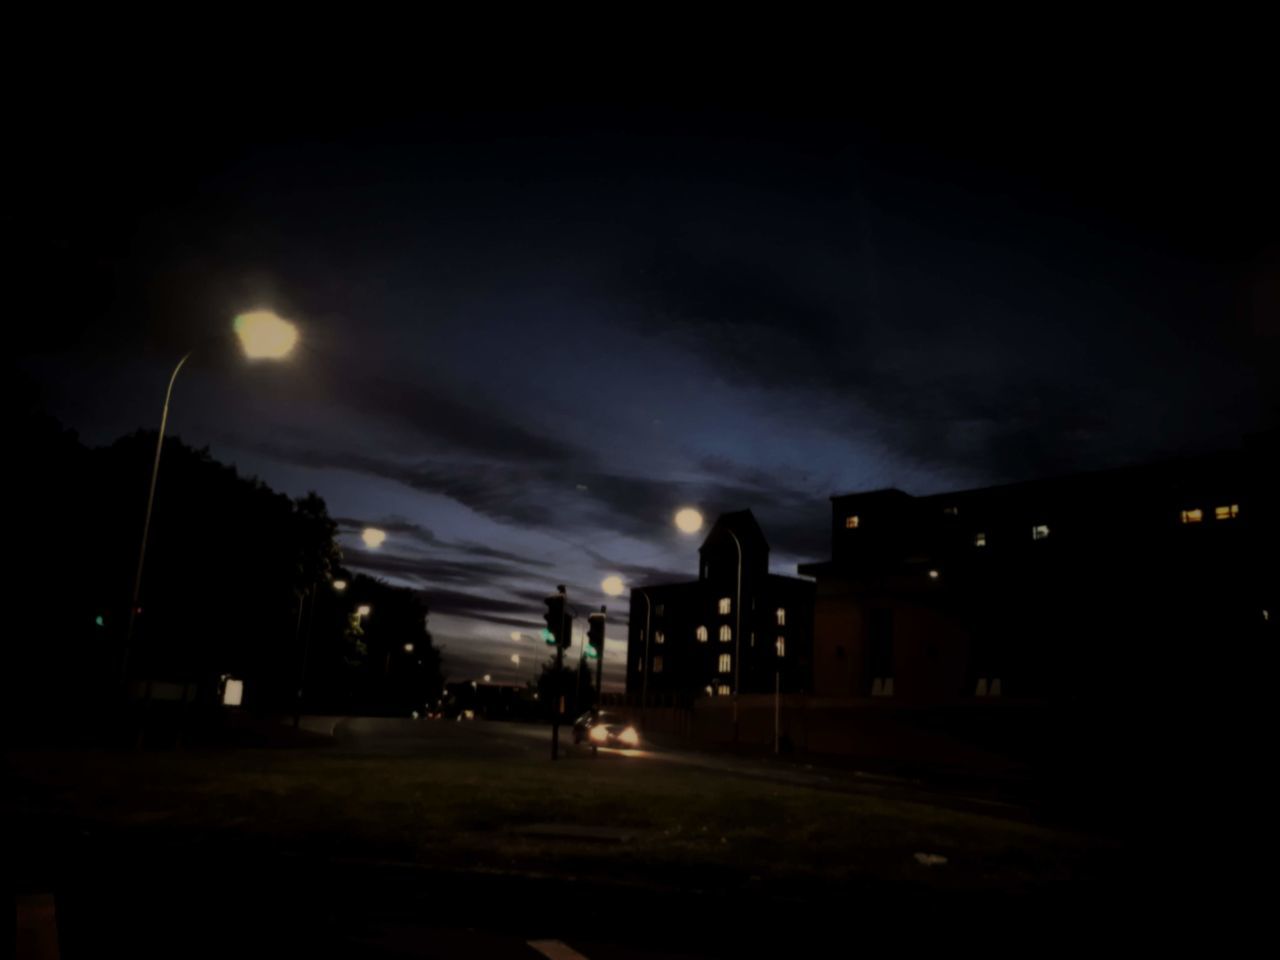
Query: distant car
(606,730)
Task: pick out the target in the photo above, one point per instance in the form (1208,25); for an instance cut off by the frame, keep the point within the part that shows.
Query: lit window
(851,522)
(1226,513)
(722,690)
(726,634)
(725,605)
(657,664)
(1192,516)
(701,634)
(659,637)
(726,663)
(980,540)
(782,617)
(1039,532)
(781,646)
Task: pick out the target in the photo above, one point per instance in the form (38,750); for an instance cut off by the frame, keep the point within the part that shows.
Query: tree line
(239,582)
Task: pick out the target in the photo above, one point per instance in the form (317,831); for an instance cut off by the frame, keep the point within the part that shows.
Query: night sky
(535,325)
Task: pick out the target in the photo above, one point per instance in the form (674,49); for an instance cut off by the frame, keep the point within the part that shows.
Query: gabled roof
(744,525)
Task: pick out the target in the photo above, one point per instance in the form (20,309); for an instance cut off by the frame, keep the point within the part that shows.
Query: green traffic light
(548,636)
(99,621)
(592,653)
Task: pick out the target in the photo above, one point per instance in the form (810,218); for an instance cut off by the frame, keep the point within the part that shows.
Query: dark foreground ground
(451,840)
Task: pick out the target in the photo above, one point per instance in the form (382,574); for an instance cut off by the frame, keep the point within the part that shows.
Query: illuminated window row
(1227,512)
(987,688)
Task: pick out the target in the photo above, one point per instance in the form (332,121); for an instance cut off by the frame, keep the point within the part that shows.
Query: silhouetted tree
(237,582)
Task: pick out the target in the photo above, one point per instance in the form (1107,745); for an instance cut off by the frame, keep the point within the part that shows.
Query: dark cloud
(501,492)
(444,421)
(424,536)
(1014,356)
(425,571)
(477,606)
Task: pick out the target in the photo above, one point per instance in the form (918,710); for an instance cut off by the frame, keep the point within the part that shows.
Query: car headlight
(630,737)
(599,734)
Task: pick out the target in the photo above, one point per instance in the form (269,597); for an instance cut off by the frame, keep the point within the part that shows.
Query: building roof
(744,525)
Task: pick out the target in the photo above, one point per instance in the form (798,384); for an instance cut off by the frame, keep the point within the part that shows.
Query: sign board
(232,693)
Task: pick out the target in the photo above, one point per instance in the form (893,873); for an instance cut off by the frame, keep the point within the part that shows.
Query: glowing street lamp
(339,585)
(373,537)
(408,648)
(363,610)
(515,658)
(263,336)
(688,520)
(612,585)
(488,678)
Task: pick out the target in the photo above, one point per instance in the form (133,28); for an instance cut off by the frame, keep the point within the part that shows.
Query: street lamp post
(146,524)
(644,674)
(262,335)
(737,635)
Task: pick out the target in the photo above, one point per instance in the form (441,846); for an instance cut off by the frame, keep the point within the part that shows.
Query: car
(605,730)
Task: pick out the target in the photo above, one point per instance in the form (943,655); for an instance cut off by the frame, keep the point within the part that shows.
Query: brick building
(1104,587)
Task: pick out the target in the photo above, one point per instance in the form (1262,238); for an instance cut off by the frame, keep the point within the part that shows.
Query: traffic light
(595,635)
(556,632)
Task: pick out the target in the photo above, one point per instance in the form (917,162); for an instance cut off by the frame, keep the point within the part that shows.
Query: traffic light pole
(557,706)
(560,626)
(600,664)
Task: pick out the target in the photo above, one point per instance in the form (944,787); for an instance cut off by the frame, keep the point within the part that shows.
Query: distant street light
(263,336)
(515,658)
(339,585)
(408,648)
(373,537)
(363,610)
(612,585)
(488,678)
(689,520)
